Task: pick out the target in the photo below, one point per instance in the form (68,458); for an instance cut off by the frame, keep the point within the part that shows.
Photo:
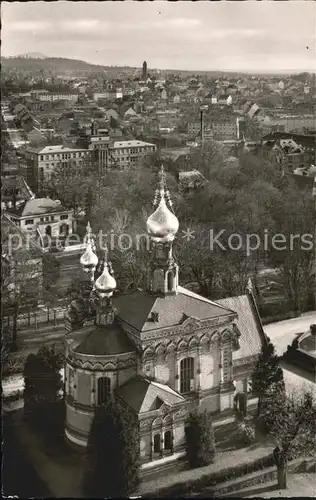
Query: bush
(245,434)
(200,442)
(215,478)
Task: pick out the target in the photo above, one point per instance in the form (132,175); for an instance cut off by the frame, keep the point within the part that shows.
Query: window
(41,158)
(104,387)
(29,221)
(186,375)
(168,440)
(52,218)
(41,219)
(48,230)
(63,217)
(170,281)
(157,443)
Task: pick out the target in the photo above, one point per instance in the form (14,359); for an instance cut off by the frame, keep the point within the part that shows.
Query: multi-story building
(224,129)
(58,97)
(41,162)
(128,153)
(116,154)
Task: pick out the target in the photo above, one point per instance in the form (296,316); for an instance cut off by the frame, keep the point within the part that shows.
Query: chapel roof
(248,323)
(108,340)
(144,395)
(136,309)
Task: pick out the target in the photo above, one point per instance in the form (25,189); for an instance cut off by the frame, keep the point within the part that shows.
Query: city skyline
(269,37)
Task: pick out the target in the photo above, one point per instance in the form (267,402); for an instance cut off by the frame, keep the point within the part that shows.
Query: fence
(34,318)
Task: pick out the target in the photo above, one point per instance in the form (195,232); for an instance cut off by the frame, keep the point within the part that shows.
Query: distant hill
(57,65)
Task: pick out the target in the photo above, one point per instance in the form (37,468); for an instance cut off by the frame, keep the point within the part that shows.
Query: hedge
(215,478)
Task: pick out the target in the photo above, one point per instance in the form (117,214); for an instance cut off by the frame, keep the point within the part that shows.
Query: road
(282,333)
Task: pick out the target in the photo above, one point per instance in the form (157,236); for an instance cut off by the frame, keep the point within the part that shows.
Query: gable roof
(249,324)
(141,394)
(136,309)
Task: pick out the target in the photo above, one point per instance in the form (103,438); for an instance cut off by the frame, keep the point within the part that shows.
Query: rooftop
(131,144)
(37,206)
(248,323)
(100,340)
(136,309)
(54,149)
(144,395)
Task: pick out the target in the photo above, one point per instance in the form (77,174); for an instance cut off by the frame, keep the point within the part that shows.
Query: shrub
(200,442)
(42,381)
(245,434)
(215,478)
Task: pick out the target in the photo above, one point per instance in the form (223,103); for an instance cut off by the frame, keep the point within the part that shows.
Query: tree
(291,422)
(200,442)
(72,183)
(21,275)
(42,382)
(267,374)
(113,452)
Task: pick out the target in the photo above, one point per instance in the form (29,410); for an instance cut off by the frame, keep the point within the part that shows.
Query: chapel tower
(162,227)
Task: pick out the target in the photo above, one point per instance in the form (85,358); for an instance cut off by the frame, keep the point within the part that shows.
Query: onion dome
(106,283)
(162,225)
(89,259)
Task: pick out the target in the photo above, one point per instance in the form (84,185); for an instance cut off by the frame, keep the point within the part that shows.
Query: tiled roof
(251,339)
(38,206)
(100,340)
(136,308)
(142,394)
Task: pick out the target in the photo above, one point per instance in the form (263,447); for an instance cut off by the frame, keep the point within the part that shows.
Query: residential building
(42,217)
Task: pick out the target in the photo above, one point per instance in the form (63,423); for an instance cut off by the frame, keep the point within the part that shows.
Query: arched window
(187,375)
(104,387)
(157,443)
(168,440)
(170,281)
(48,230)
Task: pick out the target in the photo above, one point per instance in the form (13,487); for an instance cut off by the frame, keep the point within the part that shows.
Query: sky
(231,36)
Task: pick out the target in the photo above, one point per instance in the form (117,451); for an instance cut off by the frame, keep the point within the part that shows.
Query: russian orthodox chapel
(164,350)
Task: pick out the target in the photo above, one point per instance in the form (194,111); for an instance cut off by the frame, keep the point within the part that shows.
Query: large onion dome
(162,225)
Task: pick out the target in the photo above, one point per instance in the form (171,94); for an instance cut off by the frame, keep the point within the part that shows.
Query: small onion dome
(89,260)
(106,283)
(162,225)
